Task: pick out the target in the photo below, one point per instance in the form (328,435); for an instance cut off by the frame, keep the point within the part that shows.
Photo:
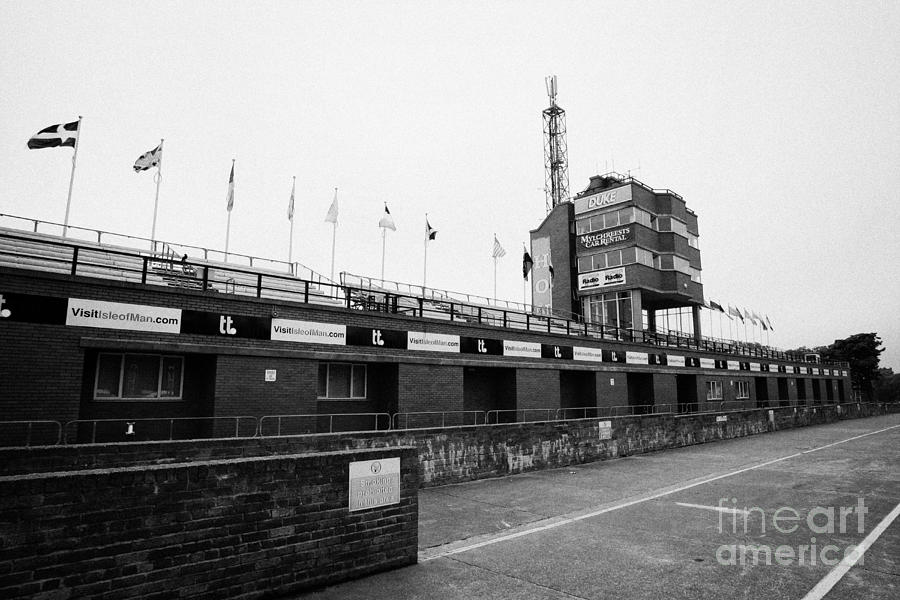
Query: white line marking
(566,520)
(837,573)
(724,509)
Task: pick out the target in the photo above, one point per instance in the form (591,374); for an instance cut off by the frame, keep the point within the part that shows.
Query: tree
(887,388)
(861,350)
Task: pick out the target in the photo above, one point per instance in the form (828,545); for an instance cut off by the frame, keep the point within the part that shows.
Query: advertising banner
(603,199)
(381,338)
(707,363)
(588,354)
(470,345)
(675,361)
(521,349)
(33,309)
(115,315)
(600,279)
(307,332)
(602,239)
(541,280)
(209,323)
(636,358)
(432,342)
(554,351)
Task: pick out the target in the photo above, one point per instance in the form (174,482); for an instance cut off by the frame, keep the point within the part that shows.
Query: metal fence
(162,268)
(93,431)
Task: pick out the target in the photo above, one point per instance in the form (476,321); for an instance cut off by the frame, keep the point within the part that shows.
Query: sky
(778,123)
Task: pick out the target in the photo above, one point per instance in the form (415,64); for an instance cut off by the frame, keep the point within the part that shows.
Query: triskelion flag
(148,160)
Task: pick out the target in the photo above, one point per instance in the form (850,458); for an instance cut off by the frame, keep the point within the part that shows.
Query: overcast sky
(779,123)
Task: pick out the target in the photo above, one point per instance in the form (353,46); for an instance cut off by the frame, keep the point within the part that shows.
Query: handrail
(131,426)
(56,427)
(405,416)
(279,419)
(361,298)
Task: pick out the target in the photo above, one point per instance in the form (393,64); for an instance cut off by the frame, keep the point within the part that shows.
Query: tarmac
(767,516)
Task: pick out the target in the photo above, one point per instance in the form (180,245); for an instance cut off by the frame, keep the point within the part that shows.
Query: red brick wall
(236,528)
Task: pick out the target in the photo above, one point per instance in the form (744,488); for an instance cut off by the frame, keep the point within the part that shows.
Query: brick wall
(537,388)
(423,388)
(235,528)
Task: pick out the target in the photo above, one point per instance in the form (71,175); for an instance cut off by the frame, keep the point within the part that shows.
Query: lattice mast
(556,155)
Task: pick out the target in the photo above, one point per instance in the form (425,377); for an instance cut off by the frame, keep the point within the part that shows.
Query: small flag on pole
(65,134)
(332,215)
(527,264)
(715,305)
(291,203)
(498,251)
(148,160)
(230,197)
(387,221)
(770,323)
(430,232)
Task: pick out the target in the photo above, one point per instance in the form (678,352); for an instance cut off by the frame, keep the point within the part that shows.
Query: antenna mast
(556,155)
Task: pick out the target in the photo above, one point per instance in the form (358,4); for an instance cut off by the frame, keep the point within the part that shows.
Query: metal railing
(281,425)
(28,433)
(107,262)
(87,431)
(446,418)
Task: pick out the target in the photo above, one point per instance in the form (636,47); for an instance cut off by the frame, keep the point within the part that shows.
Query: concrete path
(731,519)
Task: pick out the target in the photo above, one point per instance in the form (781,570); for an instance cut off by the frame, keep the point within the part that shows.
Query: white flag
(291,203)
(229,198)
(387,221)
(148,160)
(331,217)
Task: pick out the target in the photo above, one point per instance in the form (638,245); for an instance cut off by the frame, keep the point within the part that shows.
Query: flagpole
(72,179)
(156,201)
(425,259)
(495,278)
(333,238)
(291,240)
(383,242)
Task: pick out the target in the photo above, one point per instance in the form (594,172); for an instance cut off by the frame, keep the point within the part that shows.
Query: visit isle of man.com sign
(374,483)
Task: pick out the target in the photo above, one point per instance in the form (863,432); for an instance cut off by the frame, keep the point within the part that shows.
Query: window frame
(742,390)
(159,377)
(713,386)
(353,367)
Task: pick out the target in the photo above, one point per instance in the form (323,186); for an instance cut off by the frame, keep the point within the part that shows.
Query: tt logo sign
(376,338)
(482,349)
(4,312)
(226,325)
(557,353)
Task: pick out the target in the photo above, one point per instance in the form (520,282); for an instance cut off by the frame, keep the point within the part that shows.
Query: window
(342,381)
(713,390)
(693,241)
(610,310)
(742,389)
(611,219)
(138,377)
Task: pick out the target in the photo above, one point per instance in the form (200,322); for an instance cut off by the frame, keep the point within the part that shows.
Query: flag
(331,217)
(735,312)
(387,221)
(749,316)
(430,232)
(230,197)
(716,306)
(291,203)
(770,323)
(498,252)
(64,134)
(527,264)
(148,160)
